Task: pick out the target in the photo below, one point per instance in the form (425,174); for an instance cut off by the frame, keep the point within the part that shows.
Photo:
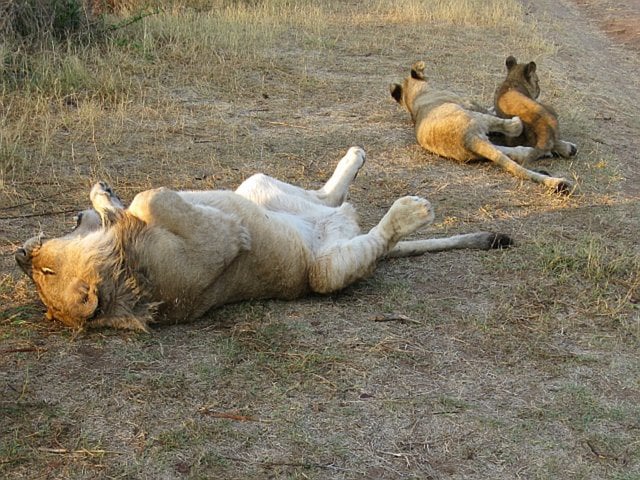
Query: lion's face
(66,286)
(523,75)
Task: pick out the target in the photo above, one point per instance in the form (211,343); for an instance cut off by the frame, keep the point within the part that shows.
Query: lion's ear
(83,299)
(396,92)
(530,68)
(417,70)
(511,62)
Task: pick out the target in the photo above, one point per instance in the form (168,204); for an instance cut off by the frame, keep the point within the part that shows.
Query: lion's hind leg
(277,195)
(485,149)
(335,191)
(346,261)
(511,127)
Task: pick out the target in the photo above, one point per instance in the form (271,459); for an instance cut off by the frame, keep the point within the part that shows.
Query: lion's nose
(21,255)
(23,260)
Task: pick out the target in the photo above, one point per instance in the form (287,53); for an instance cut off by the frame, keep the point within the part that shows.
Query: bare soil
(520,363)
(618,20)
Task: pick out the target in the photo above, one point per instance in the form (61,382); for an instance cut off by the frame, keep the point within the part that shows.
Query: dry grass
(514,364)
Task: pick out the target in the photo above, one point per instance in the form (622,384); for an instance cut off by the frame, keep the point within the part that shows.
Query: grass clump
(594,261)
(474,13)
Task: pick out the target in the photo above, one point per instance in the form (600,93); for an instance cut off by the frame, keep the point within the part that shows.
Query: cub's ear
(417,70)
(396,92)
(511,62)
(82,300)
(530,68)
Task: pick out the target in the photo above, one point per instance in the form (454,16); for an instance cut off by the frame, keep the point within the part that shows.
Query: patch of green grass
(25,427)
(593,257)
(453,404)
(174,438)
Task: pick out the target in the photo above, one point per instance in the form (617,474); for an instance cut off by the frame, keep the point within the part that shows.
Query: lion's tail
(477,240)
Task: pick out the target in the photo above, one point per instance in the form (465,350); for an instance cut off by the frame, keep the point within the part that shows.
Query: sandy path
(620,20)
(588,55)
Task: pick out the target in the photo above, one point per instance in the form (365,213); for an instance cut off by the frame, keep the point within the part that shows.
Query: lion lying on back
(172,256)
(454,127)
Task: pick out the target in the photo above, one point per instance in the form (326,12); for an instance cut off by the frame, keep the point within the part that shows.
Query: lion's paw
(566,149)
(407,214)
(103,197)
(513,127)
(560,185)
(353,160)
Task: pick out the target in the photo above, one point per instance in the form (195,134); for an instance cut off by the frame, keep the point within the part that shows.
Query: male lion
(172,256)
(455,127)
(517,96)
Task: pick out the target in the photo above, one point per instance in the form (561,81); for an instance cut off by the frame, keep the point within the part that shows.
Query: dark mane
(125,292)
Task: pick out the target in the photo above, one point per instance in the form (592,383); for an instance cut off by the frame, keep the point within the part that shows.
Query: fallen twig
(393,317)
(136,18)
(229,416)
(41,214)
(22,350)
(291,464)
(81,451)
(284,124)
(603,456)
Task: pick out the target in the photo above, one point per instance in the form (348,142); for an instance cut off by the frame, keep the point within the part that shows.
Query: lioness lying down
(172,256)
(455,127)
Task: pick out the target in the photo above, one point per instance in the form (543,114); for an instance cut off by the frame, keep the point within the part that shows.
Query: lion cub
(517,96)
(458,128)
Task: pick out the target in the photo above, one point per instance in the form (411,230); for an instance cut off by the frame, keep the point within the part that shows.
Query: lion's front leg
(105,202)
(343,263)
(198,224)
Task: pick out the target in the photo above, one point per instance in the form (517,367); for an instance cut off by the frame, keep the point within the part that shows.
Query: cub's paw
(522,155)
(566,149)
(573,149)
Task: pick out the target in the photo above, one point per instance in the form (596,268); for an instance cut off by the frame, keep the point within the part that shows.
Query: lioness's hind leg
(344,262)
(511,127)
(334,192)
(519,154)
(482,147)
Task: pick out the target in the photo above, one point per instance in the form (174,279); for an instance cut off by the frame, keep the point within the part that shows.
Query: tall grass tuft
(474,13)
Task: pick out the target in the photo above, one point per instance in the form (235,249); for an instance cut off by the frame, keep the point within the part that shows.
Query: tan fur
(455,127)
(517,96)
(172,256)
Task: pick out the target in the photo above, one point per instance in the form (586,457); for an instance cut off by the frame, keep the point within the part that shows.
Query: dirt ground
(618,20)
(520,363)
